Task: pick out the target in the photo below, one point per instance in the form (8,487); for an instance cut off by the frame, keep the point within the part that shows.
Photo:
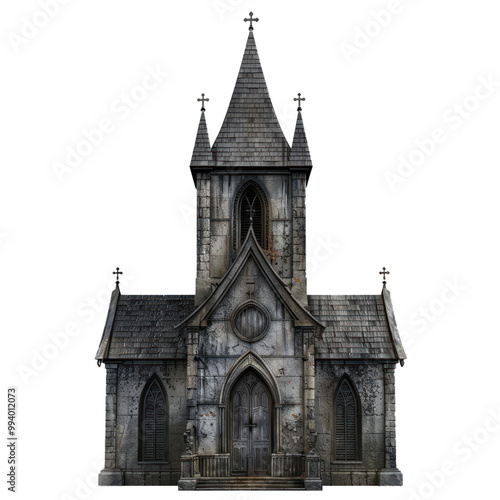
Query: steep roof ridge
(102,352)
(393,327)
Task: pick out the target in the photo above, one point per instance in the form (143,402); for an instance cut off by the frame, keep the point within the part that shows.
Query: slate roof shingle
(300,156)
(143,328)
(251,135)
(356,327)
(202,154)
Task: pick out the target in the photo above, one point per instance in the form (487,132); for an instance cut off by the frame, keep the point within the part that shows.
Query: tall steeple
(250,135)
(251,162)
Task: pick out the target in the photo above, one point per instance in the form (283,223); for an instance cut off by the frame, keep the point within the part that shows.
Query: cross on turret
(384,272)
(299,99)
(117,272)
(203,99)
(251,19)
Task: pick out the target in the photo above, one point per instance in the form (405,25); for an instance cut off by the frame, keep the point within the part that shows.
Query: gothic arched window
(347,435)
(153,422)
(251,208)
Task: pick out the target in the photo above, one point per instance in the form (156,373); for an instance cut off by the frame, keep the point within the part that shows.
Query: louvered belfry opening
(154,424)
(251,207)
(346,423)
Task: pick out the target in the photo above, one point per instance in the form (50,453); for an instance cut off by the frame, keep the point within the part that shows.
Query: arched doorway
(250,426)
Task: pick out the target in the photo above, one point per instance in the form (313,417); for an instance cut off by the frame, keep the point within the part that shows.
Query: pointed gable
(251,250)
(251,135)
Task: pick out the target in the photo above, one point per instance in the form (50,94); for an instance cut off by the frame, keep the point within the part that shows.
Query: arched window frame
(154,379)
(357,421)
(237,213)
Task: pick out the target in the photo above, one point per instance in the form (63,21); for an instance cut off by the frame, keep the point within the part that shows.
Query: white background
(130,203)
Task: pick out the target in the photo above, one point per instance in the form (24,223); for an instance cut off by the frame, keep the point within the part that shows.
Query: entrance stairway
(249,483)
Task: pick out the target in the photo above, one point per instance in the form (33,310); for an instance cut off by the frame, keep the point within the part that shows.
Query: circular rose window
(250,321)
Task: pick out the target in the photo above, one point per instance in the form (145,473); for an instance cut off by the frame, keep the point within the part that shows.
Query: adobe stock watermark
(467,446)
(323,249)
(32,25)
(59,340)
(188,212)
(453,119)
(371,29)
(121,107)
(427,314)
(85,487)
(223,7)
(287,114)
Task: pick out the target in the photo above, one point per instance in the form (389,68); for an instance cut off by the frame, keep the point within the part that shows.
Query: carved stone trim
(246,362)
(250,360)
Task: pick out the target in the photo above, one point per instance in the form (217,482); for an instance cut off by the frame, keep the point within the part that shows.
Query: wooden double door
(250,427)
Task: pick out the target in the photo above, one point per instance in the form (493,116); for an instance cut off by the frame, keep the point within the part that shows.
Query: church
(250,383)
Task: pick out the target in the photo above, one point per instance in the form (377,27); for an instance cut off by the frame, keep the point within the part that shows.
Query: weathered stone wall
(278,188)
(111,407)
(132,378)
(280,349)
(299,283)
(203,282)
(390,416)
(369,382)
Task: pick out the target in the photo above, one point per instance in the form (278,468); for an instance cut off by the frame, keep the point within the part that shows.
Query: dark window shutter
(251,204)
(346,423)
(154,424)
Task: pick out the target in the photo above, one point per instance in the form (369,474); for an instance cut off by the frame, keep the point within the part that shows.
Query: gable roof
(251,135)
(357,327)
(142,327)
(249,249)
(146,327)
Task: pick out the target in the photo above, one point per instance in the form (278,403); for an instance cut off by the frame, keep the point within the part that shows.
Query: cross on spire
(384,272)
(251,19)
(299,99)
(203,99)
(117,272)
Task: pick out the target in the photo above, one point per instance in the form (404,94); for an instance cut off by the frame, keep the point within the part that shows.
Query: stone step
(249,483)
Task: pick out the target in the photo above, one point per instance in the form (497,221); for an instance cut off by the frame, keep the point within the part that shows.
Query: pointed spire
(202,154)
(251,135)
(299,156)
